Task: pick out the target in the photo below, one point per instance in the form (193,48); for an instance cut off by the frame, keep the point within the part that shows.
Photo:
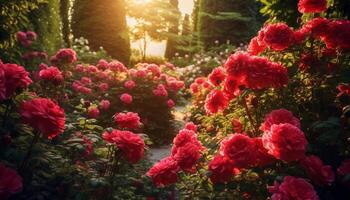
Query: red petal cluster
(43,115)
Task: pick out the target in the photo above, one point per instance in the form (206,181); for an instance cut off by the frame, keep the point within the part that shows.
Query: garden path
(158,153)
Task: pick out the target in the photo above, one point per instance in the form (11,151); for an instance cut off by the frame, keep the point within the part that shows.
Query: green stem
(256,130)
(29,152)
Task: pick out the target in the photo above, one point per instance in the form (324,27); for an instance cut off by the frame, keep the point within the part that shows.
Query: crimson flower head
(318,173)
(276,36)
(217,76)
(127,120)
(51,74)
(160,91)
(130,84)
(10,182)
(65,56)
(43,115)
(12,78)
(240,149)
(170,103)
(312,6)
(93,112)
(126,98)
(255,46)
(164,172)
(221,169)
(131,145)
(293,188)
(191,126)
(105,104)
(337,36)
(279,116)
(285,142)
(216,101)
(187,156)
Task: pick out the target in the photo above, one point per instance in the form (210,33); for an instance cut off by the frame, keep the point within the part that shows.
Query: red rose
(263,158)
(240,149)
(237,126)
(194,88)
(93,112)
(131,145)
(130,84)
(221,169)
(312,6)
(105,104)
(10,182)
(164,172)
(170,103)
(51,74)
(277,36)
(245,70)
(65,56)
(344,168)
(216,101)
(285,142)
(103,87)
(43,115)
(12,77)
(217,76)
(102,64)
(293,188)
(191,126)
(317,27)
(117,66)
(126,98)
(255,47)
(128,120)
(337,35)
(200,80)
(185,136)
(318,173)
(160,91)
(279,116)
(187,156)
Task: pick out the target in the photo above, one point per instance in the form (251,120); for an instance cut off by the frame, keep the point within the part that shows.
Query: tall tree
(103,24)
(46,21)
(64,11)
(152,21)
(233,20)
(173,29)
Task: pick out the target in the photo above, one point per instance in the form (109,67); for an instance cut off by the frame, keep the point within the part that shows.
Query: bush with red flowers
(276,115)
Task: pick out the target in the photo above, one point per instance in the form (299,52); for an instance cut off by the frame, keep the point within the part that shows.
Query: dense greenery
(224,20)
(103,24)
(173,29)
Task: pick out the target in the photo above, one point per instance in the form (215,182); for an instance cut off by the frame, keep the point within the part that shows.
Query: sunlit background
(158,48)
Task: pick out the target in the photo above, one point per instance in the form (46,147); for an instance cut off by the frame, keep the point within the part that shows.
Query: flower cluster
(43,115)
(12,78)
(10,182)
(131,145)
(127,120)
(185,153)
(26,38)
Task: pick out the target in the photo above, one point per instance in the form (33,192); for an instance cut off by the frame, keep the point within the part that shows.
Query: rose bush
(275,115)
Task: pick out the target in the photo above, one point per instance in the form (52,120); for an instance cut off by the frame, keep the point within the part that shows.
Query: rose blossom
(130,84)
(217,76)
(285,142)
(51,74)
(255,47)
(318,173)
(126,98)
(164,172)
(187,156)
(276,36)
(240,149)
(293,188)
(128,120)
(160,91)
(191,126)
(93,112)
(131,145)
(221,169)
(43,115)
(10,182)
(279,116)
(263,158)
(12,77)
(216,101)
(312,6)
(105,104)
(170,103)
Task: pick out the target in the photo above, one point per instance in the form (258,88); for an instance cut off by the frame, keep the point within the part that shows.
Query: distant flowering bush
(82,125)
